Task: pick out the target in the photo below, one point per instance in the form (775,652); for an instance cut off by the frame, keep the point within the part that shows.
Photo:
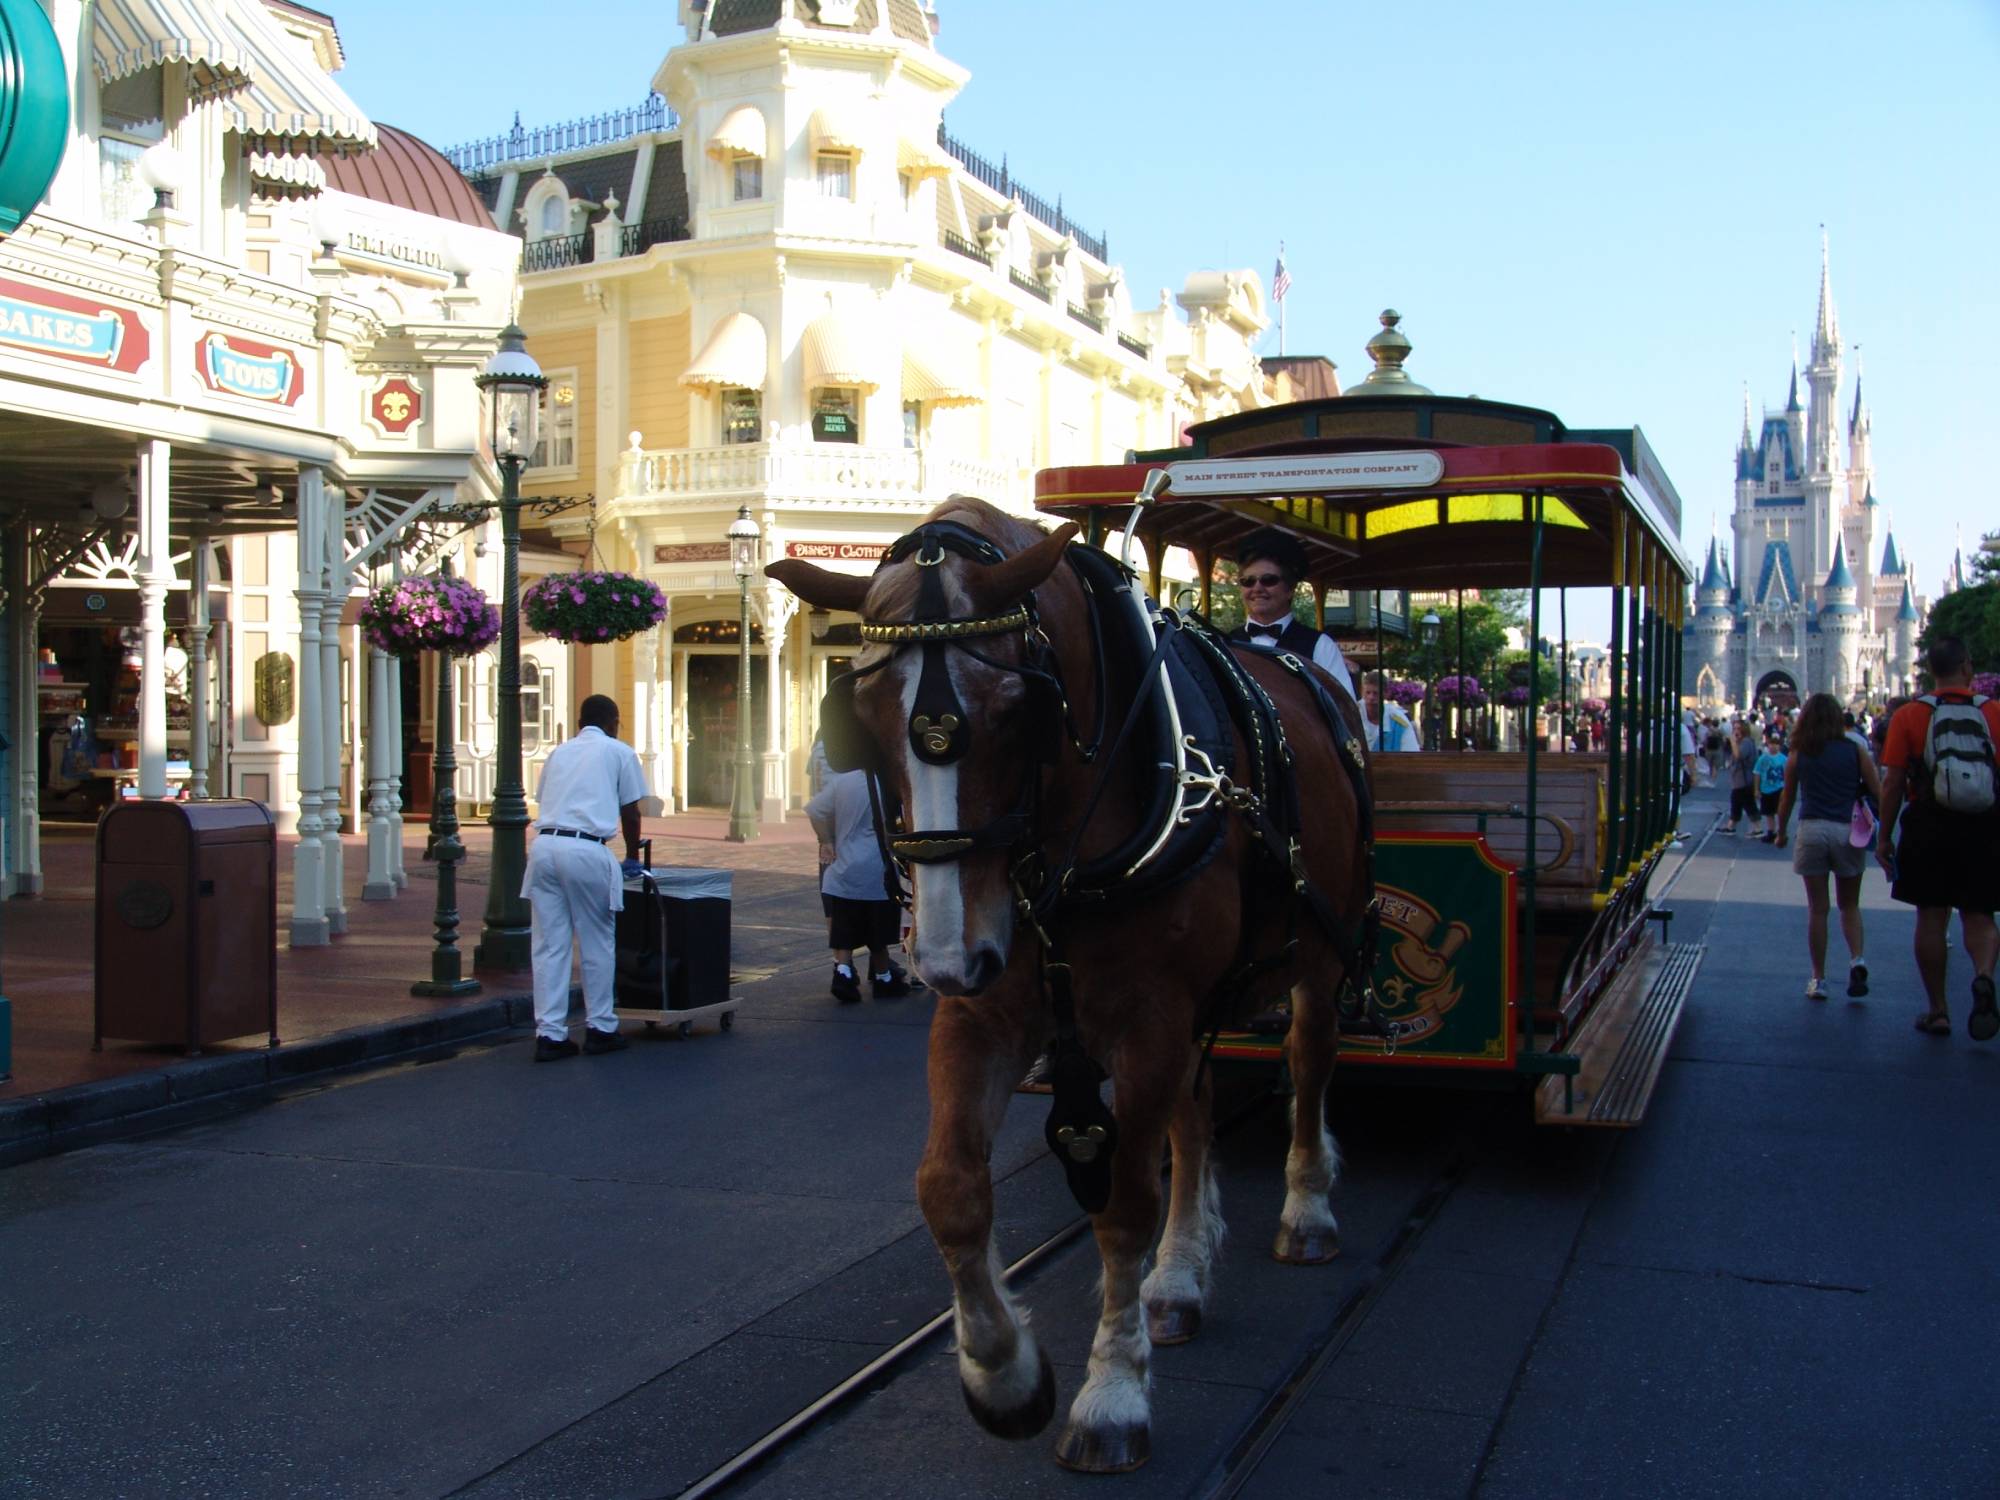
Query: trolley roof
(1398,492)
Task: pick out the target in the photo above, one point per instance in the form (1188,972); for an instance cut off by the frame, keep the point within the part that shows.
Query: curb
(87,1113)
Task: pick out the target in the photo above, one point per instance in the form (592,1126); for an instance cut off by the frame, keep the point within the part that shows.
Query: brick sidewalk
(361,979)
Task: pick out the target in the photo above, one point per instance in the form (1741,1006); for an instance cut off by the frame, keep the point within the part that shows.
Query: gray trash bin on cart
(673,941)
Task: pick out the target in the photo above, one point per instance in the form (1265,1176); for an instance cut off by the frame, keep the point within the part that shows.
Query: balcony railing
(1027,283)
(1087,318)
(1003,182)
(477,158)
(1135,346)
(556,252)
(637,239)
(808,471)
(965,247)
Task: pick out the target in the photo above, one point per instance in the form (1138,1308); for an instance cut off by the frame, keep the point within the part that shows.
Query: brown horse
(1142,973)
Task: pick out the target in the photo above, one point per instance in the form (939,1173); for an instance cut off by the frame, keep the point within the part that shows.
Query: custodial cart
(673,948)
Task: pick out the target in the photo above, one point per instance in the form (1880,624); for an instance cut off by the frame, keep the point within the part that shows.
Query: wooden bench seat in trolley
(1451,791)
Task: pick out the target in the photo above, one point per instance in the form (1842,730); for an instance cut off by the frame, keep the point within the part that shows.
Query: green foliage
(1511,603)
(1485,641)
(1973,614)
(1986,563)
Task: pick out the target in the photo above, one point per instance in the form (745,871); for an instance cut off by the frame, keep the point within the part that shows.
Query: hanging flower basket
(1408,694)
(1593,706)
(1463,690)
(1515,697)
(431,612)
(592,608)
(1987,684)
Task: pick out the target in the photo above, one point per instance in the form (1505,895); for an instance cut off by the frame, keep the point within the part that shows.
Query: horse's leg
(1177,1289)
(979,1050)
(1110,1422)
(1307,1231)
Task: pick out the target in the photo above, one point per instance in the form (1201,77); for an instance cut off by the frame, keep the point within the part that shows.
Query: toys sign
(247,369)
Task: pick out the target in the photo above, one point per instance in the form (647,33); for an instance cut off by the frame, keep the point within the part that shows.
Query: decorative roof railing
(1003,182)
(476,158)
(1135,346)
(963,246)
(1087,318)
(1027,283)
(637,239)
(556,252)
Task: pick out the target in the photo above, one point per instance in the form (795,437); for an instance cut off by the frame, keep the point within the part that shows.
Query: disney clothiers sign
(237,366)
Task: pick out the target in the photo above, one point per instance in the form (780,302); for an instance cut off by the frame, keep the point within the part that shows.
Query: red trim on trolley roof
(1551,466)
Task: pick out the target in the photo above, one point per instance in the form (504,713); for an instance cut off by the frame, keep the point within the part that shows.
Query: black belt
(571,833)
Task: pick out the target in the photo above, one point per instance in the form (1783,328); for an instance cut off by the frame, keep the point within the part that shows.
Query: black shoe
(596,1042)
(548,1050)
(893,985)
(1984,1022)
(846,987)
(1857,979)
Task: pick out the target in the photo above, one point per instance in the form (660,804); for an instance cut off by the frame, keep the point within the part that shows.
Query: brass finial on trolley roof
(1389,349)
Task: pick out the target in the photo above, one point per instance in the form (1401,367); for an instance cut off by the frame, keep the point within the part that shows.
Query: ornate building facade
(1814,595)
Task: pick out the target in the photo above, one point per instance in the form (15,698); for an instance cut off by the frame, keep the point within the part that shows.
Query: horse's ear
(819,587)
(1019,575)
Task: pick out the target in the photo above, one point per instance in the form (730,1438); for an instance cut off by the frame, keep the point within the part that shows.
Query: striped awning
(741,133)
(275,176)
(836,353)
(130,36)
(290,104)
(737,354)
(834,127)
(934,380)
(920,160)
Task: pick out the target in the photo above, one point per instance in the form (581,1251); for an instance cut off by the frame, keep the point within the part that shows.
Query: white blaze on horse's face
(964,917)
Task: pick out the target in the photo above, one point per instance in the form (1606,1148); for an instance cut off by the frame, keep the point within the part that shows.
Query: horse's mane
(893,595)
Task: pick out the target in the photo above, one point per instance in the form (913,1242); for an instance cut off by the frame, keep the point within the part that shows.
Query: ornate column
(381,882)
(26,730)
(332,729)
(309,924)
(646,707)
(779,607)
(395,751)
(660,771)
(197,639)
(154,572)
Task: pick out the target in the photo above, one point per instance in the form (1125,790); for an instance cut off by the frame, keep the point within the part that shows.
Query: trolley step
(1623,1044)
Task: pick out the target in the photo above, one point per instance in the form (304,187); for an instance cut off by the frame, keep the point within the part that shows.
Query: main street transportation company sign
(72,328)
(255,372)
(1304,475)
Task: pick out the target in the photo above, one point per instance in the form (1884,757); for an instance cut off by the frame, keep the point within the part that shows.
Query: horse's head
(952,705)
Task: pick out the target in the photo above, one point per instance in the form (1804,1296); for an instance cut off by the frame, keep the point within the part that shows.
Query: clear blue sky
(1611,211)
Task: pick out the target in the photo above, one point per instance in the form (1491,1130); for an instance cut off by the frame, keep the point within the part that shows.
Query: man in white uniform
(591,789)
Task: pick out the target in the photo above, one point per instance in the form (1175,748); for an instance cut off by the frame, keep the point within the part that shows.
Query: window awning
(737,354)
(741,133)
(920,160)
(275,176)
(130,36)
(289,105)
(936,381)
(835,128)
(836,353)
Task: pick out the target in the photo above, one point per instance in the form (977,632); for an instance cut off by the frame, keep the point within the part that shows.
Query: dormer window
(555,217)
(748,179)
(835,173)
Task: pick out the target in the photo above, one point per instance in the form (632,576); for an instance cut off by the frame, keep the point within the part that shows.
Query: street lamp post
(1429,626)
(743,540)
(513,383)
(447,980)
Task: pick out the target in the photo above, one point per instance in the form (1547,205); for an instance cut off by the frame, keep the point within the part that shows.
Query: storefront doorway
(712,724)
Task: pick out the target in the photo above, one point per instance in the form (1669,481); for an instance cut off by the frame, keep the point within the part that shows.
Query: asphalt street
(606,1276)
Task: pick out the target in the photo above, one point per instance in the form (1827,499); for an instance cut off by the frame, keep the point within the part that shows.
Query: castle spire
(1792,401)
(1839,577)
(1826,331)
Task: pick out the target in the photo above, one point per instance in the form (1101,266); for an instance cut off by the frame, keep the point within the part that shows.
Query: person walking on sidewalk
(1770,769)
(1824,776)
(853,887)
(1742,778)
(1938,790)
(591,788)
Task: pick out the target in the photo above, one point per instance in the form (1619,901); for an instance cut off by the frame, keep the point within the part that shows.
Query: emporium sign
(73,328)
(1304,475)
(243,367)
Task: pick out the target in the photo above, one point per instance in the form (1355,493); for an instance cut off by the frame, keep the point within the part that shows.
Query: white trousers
(574,888)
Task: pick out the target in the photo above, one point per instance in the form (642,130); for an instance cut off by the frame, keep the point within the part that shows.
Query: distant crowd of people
(1916,785)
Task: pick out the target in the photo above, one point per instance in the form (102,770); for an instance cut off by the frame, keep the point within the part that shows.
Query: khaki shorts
(1821,848)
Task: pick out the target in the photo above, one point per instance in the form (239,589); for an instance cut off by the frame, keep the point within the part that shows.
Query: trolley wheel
(728,1019)
(686,1029)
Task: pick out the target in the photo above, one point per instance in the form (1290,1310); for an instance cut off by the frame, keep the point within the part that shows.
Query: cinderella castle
(1817,601)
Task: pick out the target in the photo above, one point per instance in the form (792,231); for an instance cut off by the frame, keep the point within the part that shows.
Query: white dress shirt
(585,781)
(1326,651)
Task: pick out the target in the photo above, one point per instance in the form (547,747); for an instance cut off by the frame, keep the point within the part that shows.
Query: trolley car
(1518,925)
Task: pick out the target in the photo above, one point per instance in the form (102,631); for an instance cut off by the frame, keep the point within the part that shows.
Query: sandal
(1934,1022)
(1984,1021)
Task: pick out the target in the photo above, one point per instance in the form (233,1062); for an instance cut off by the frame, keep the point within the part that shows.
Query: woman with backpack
(1825,775)
(1939,755)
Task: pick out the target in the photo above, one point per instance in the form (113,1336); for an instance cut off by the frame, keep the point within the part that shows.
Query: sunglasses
(1262,580)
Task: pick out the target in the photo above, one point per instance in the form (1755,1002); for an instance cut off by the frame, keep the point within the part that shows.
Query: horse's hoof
(1108,1450)
(1305,1247)
(1172,1322)
(1021,1421)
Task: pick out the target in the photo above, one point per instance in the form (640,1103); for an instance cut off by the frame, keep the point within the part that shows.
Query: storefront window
(555,447)
(913,423)
(836,417)
(742,416)
(749,179)
(836,174)
(532,727)
(132,113)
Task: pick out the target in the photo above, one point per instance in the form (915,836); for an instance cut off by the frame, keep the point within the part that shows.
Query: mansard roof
(1777,575)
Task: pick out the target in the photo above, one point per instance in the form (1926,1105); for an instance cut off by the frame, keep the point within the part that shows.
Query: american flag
(1281,279)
